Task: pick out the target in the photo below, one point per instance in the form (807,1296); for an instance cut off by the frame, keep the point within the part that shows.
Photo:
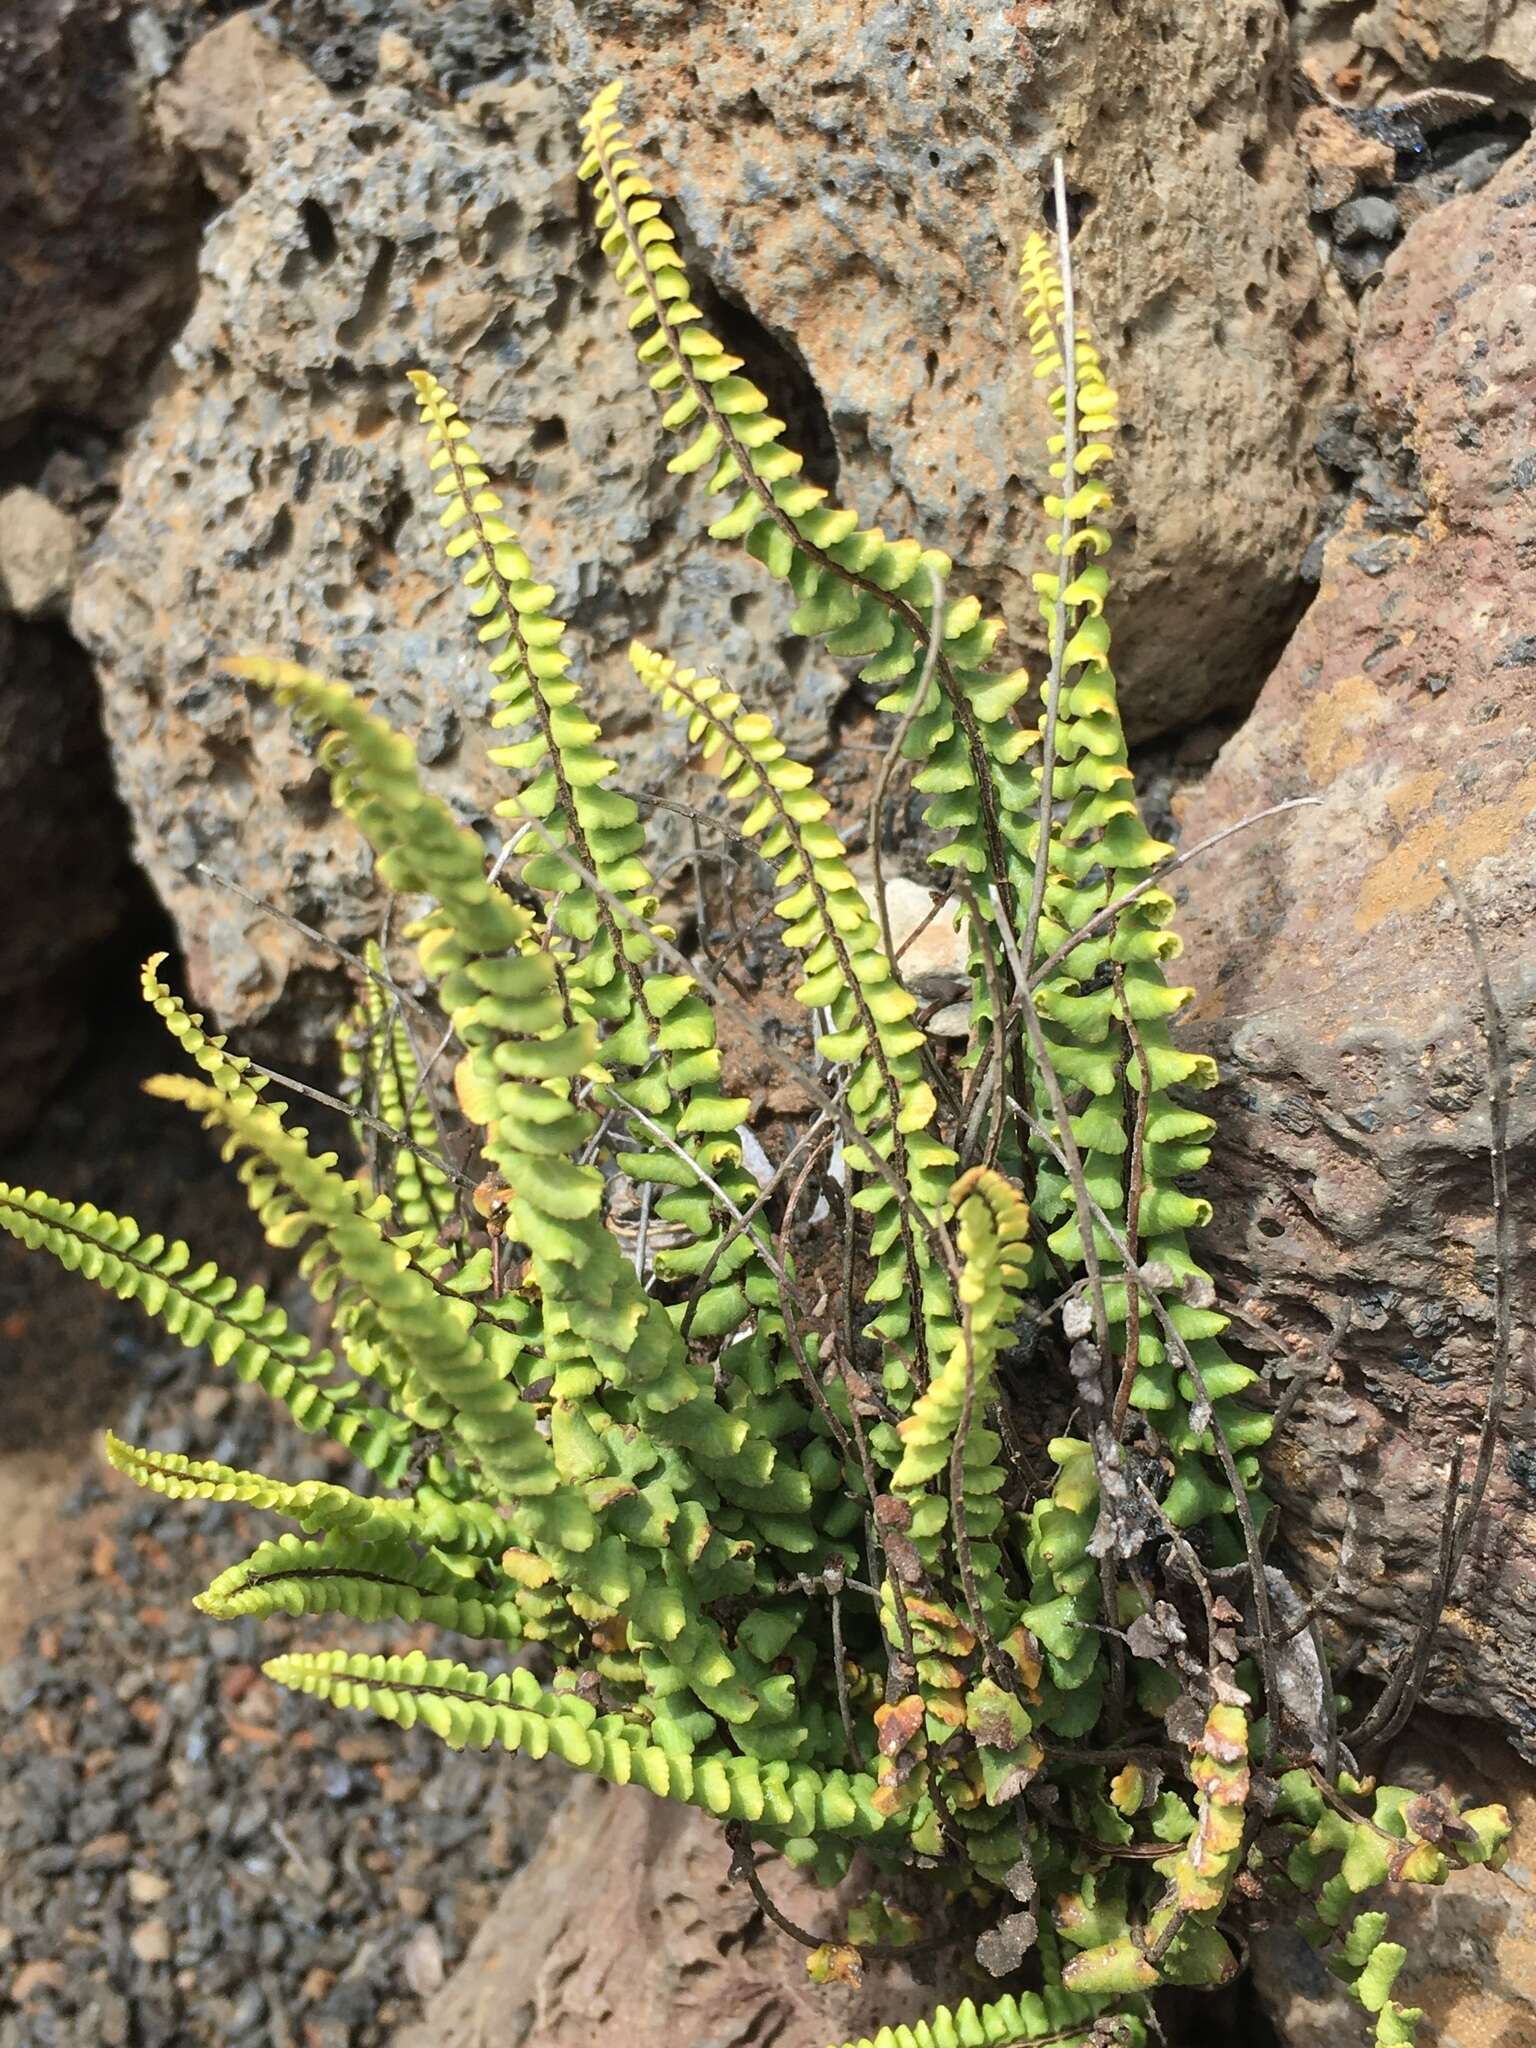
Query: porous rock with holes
(1338,992)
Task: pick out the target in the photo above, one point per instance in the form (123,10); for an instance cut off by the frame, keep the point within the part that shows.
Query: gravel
(189,1855)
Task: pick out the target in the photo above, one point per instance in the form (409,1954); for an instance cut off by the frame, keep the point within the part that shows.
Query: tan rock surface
(39,544)
(272,497)
(1400,45)
(277,497)
(625,1929)
(230,80)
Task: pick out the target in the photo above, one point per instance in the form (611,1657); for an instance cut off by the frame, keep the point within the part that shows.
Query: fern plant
(779,1561)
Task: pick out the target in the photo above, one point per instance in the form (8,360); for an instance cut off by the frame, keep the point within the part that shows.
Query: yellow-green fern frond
(847,975)
(858,591)
(472,1709)
(373,1575)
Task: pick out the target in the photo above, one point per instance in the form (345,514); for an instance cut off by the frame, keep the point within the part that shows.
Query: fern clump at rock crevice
(778,1551)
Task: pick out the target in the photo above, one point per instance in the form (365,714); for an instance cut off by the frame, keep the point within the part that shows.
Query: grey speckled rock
(861,177)
(277,498)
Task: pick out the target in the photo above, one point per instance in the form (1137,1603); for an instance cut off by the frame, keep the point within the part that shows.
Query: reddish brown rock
(1339,993)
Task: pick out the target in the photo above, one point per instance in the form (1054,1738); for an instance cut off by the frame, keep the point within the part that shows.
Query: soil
(188,1855)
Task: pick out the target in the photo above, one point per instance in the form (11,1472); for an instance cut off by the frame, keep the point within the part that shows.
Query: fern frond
(947,1432)
(315,1504)
(194,1300)
(228,1071)
(433,1333)
(383,1074)
(372,1576)
(846,973)
(1009,2022)
(527,1043)
(312,1503)
(473,1709)
(859,592)
(564,770)
(1105,1009)
(658,1043)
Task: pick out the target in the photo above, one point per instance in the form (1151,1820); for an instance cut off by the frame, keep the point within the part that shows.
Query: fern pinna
(761,1554)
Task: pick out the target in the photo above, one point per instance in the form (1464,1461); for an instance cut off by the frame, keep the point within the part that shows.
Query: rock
(463,44)
(147,1887)
(65,842)
(1402,44)
(1471,1943)
(1362,263)
(1338,990)
(274,495)
(421,1962)
(624,1925)
(1368,219)
(38,549)
(953,1021)
(277,496)
(1338,158)
(42,1975)
(860,177)
(98,223)
(229,80)
(929,935)
(151,1942)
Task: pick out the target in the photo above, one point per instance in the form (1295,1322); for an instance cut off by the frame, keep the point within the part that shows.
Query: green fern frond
(474,1709)
(372,1576)
(859,592)
(658,1045)
(845,973)
(194,1300)
(316,1504)
(312,1503)
(226,1070)
(433,1333)
(382,1072)
(1105,1009)
(1009,2023)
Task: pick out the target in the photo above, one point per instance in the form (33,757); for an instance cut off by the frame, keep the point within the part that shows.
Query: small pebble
(1368,219)
(1362,264)
(151,1942)
(190,1857)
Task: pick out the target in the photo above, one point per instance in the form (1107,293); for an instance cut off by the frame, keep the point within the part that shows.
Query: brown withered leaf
(1154,1634)
(899,1723)
(902,1557)
(835,1963)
